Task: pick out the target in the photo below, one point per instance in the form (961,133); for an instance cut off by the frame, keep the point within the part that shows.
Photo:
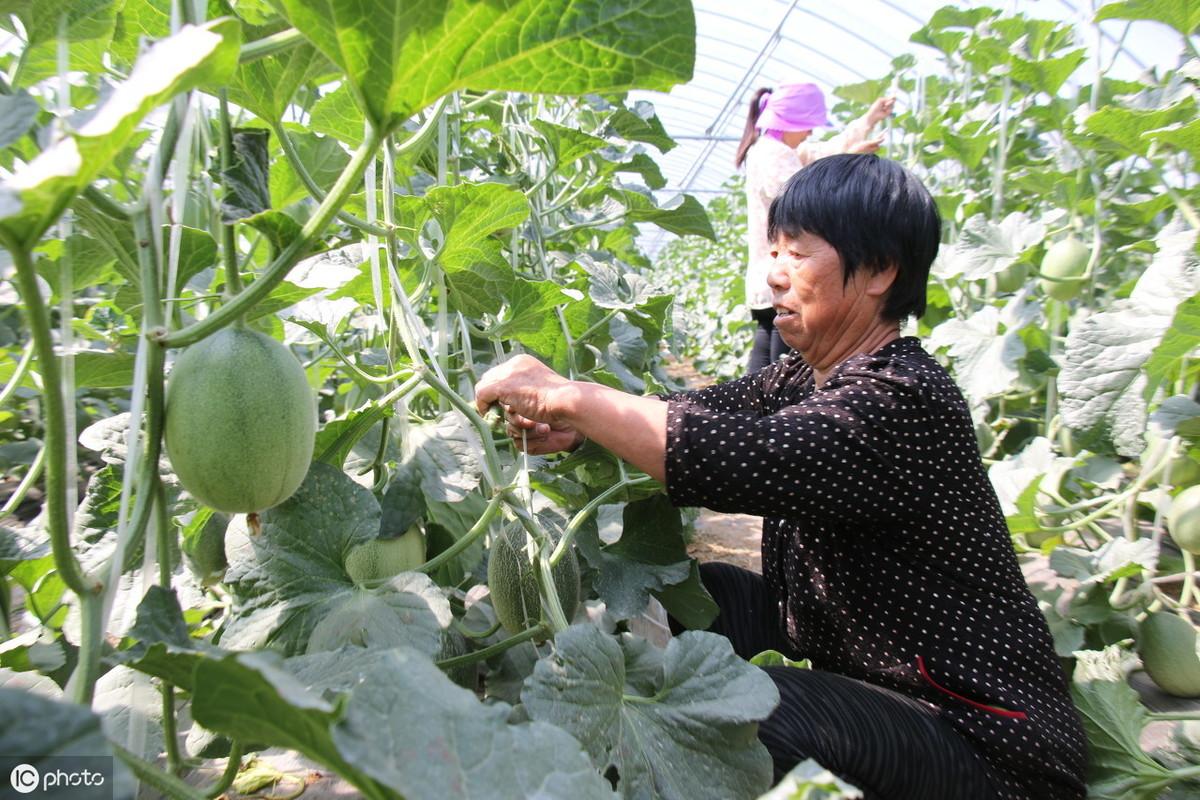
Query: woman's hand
(880,110)
(866,146)
(526,390)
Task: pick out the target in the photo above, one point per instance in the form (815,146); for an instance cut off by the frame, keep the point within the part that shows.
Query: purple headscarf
(792,107)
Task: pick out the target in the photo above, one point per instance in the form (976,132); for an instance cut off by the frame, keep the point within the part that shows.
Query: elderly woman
(886,560)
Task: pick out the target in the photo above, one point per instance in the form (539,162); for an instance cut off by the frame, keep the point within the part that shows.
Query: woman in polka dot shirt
(886,560)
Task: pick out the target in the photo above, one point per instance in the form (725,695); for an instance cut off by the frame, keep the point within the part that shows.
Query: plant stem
(582,515)
(167,784)
(54,422)
(233,278)
(1170,716)
(346,184)
(31,477)
(18,375)
(478,529)
(1189,579)
(270,45)
(163,529)
(293,157)
(231,770)
(499,647)
(82,684)
(470,634)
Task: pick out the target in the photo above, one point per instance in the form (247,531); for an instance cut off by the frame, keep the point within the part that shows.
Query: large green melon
(241,421)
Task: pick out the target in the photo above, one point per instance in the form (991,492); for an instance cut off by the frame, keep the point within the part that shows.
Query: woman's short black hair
(874,213)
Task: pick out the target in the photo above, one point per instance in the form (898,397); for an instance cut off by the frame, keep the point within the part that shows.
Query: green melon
(1167,645)
(1064,261)
(512,581)
(240,421)
(1183,520)
(380,559)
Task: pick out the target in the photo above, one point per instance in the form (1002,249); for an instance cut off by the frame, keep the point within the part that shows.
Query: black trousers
(768,345)
(885,743)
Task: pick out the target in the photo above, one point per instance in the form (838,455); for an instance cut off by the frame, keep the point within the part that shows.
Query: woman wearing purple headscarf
(774,146)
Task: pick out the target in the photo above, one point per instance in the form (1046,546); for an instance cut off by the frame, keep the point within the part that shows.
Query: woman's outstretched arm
(555,414)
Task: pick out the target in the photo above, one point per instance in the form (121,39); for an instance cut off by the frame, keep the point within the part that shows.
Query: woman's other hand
(880,110)
(866,146)
(524,388)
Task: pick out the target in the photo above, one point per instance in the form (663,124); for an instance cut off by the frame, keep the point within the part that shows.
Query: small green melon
(512,581)
(1183,520)
(240,421)
(1065,262)
(380,559)
(1167,645)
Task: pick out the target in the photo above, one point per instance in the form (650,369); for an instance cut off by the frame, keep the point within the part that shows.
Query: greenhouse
(600,398)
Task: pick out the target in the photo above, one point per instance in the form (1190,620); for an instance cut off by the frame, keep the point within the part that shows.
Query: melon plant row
(255,255)
(1065,301)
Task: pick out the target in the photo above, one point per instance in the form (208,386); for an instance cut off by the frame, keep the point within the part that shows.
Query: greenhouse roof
(754,43)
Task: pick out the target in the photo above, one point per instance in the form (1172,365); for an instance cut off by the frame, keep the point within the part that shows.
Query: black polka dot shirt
(885,546)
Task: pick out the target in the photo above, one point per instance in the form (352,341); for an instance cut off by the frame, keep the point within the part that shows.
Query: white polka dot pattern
(886,547)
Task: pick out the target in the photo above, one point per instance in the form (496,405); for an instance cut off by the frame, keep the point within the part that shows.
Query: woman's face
(817,314)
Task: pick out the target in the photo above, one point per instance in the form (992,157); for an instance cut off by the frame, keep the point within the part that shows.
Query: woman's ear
(879,283)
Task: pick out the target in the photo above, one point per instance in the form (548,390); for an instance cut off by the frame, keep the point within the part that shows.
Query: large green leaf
(412,729)
(1103,376)
(247,180)
(1179,342)
(400,57)
(88,25)
(567,144)
(640,124)
(34,196)
(323,158)
(678,724)
(38,731)
(1113,717)
(1125,129)
(265,86)
(444,454)
(18,112)
(1182,15)
(985,248)
(636,548)
(290,583)
(251,697)
(682,215)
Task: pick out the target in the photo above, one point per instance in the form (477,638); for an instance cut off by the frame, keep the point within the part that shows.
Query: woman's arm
(555,413)
(855,137)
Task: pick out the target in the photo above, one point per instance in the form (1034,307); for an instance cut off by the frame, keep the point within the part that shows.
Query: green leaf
(567,144)
(689,732)
(640,124)
(468,214)
(282,296)
(647,167)
(18,112)
(280,229)
(247,181)
(336,115)
(97,370)
(1182,15)
(1181,136)
(635,548)
(399,58)
(1113,717)
(529,304)
(412,729)
(89,29)
(197,252)
(323,158)
(689,602)
(43,188)
(286,578)
(985,248)
(1125,127)
(41,730)
(774,658)
(683,215)
(338,437)
(265,86)
(1047,74)
(444,454)
(1178,342)
(251,697)
(1103,378)
(407,611)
